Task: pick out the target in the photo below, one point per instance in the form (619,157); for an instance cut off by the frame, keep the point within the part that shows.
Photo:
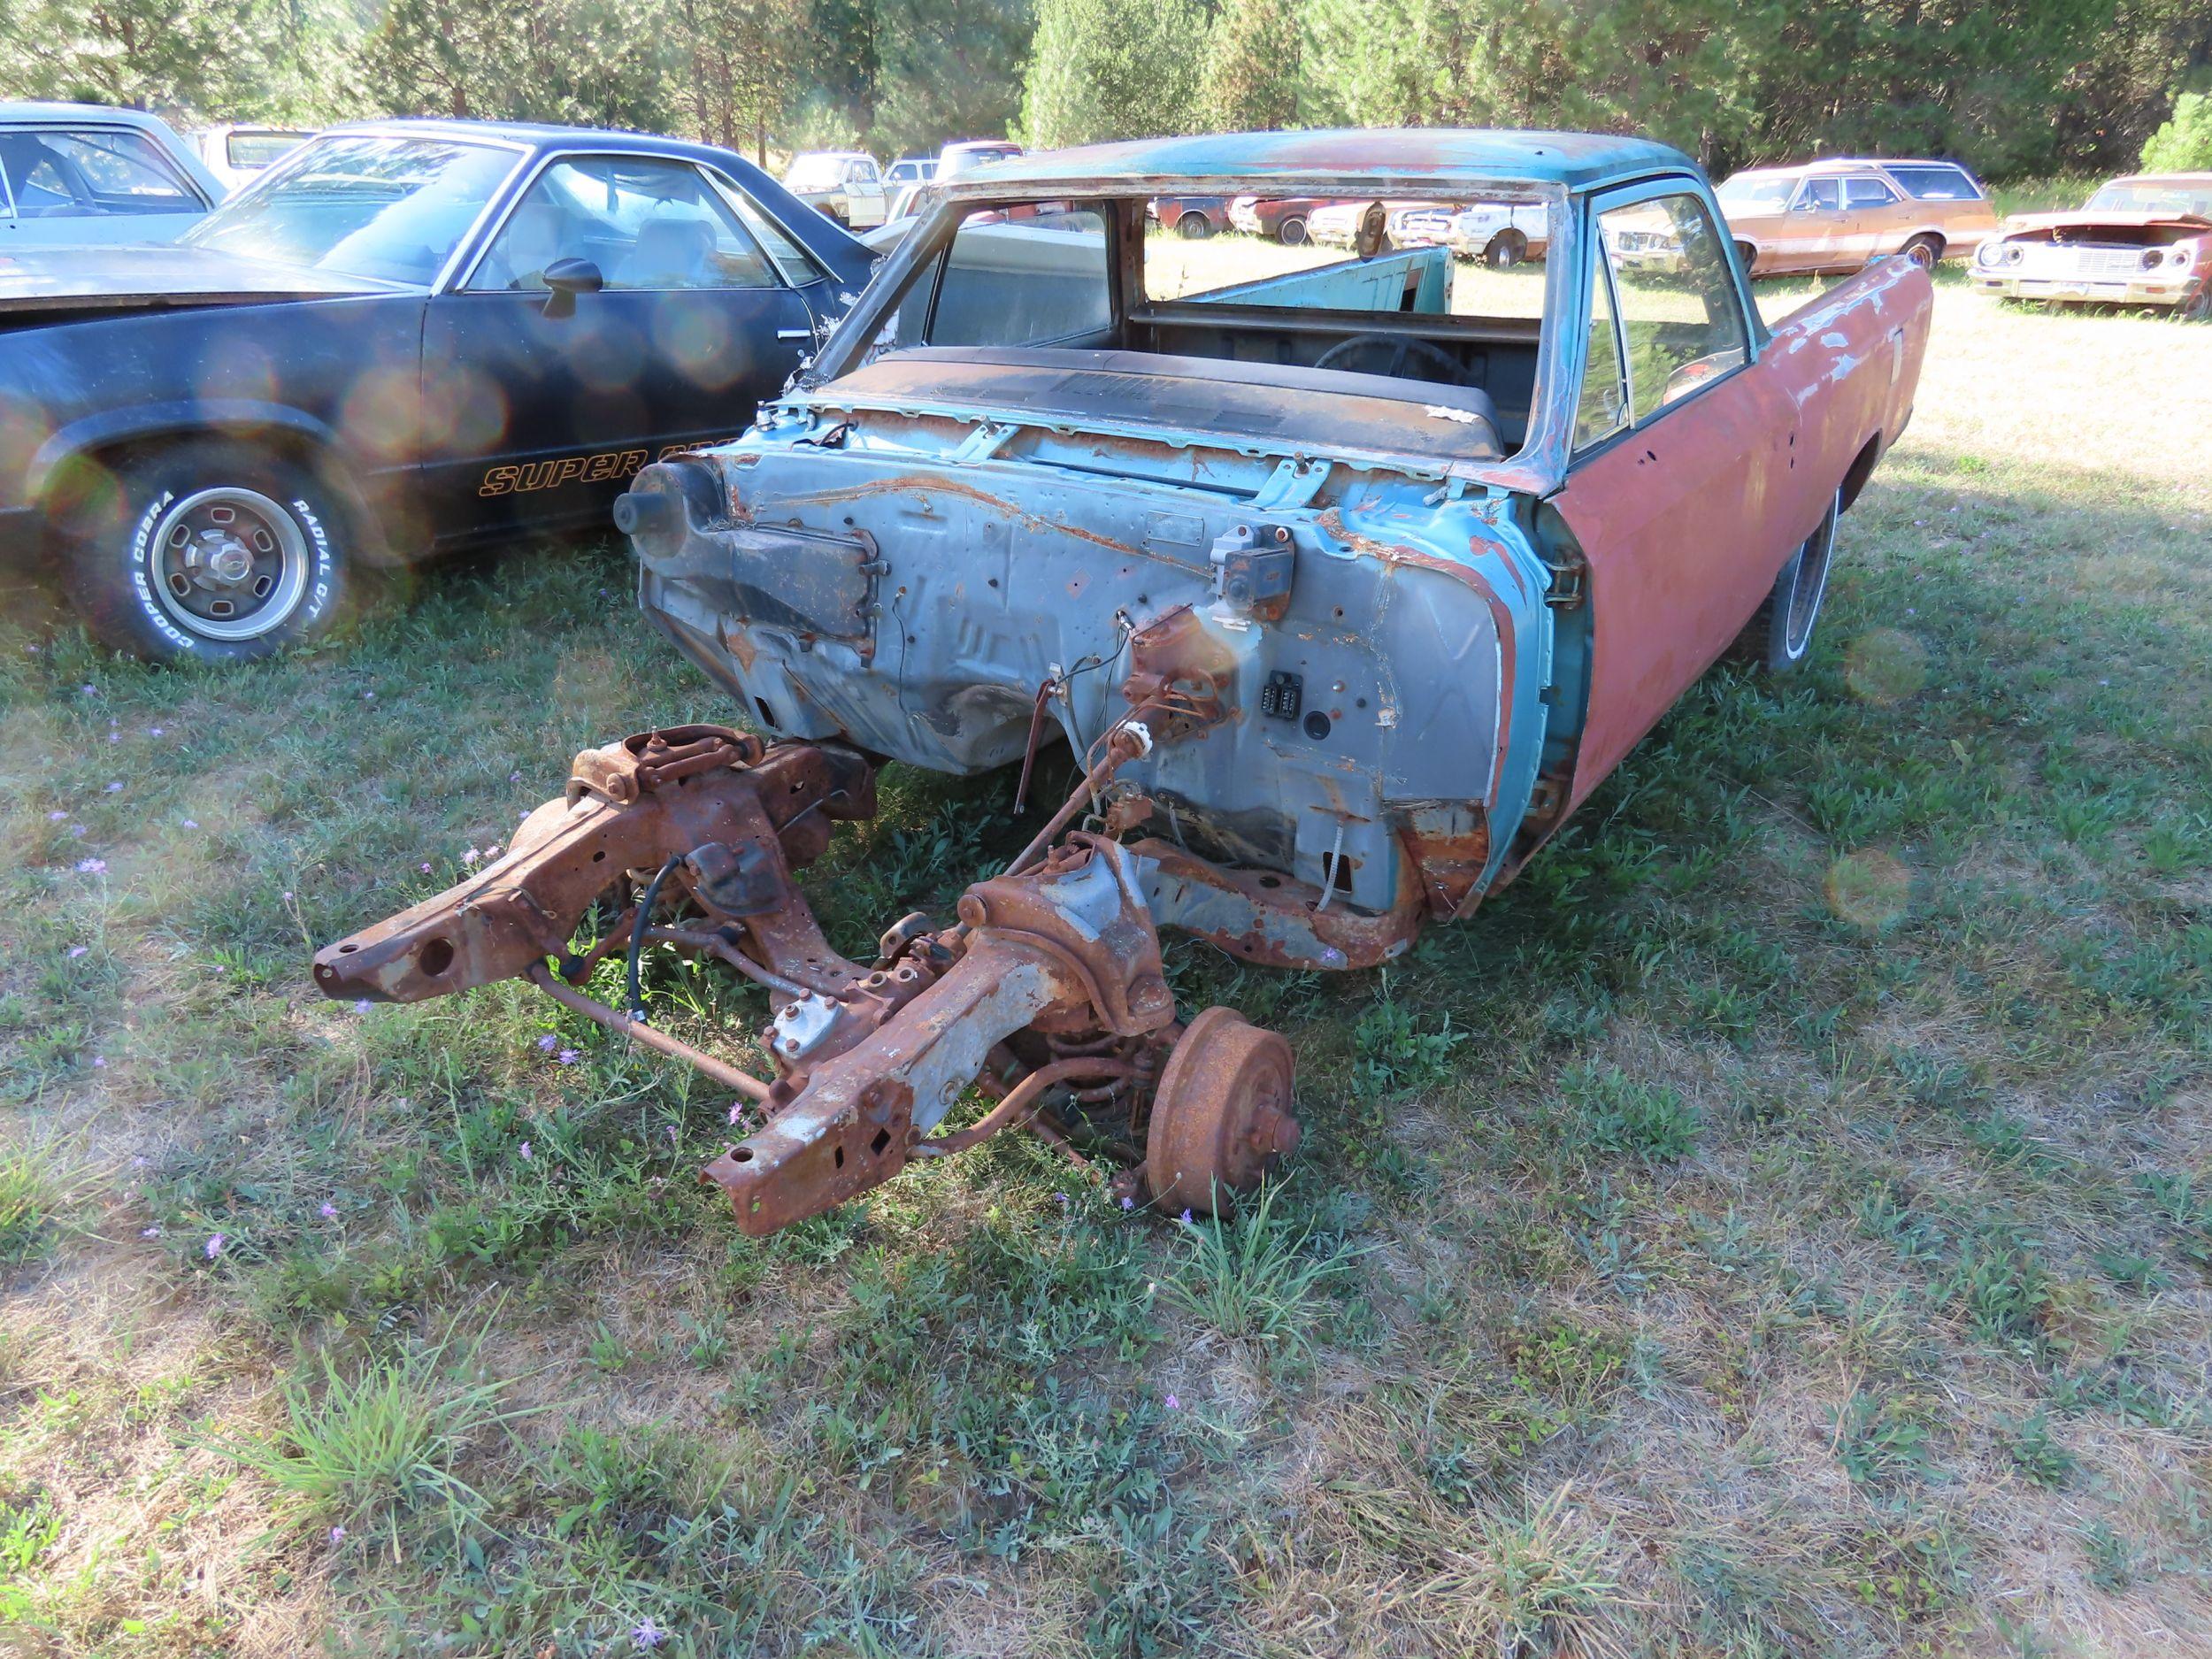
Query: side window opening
(1603,408)
(1013,282)
(1681,322)
(647,223)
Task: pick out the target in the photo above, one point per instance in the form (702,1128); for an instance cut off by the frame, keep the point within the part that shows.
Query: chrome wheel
(228,563)
(1809,587)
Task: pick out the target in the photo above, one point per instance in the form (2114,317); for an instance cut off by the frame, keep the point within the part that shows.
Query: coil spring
(1102,1046)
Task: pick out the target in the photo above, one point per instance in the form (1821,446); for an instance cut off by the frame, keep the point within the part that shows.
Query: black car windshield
(384,206)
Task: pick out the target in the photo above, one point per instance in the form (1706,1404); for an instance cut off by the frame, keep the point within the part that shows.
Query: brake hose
(637,932)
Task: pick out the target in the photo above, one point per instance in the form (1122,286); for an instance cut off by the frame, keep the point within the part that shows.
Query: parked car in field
(1336,224)
(1835,216)
(2142,240)
(961,157)
(1344,584)
(842,183)
(408,336)
(909,169)
(236,154)
(1279,218)
(78,174)
(1499,234)
(1195,216)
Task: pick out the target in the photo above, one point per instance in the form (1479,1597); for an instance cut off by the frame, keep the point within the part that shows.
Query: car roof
(538,135)
(840,155)
(1577,160)
(44,112)
(2162,178)
(1844,164)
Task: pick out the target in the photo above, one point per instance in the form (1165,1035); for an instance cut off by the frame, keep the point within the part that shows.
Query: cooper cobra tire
(211,551)
(1780,636)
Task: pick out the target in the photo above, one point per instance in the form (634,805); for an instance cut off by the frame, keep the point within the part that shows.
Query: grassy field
(1781,1223)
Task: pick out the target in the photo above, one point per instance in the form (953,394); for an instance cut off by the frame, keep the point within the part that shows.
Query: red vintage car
(1344,584)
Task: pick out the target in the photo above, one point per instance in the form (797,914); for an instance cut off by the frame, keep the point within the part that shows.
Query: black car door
(537,408)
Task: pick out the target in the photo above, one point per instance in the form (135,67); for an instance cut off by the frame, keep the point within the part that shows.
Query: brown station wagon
(1831,216)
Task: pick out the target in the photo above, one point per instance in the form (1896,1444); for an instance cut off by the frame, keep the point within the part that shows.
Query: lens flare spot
(1869,889)
(379,413)
(1886,666)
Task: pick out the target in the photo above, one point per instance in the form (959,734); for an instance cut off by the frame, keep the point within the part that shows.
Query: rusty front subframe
(1048,991)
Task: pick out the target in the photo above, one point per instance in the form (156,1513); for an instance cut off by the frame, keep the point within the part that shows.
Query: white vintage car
(77,173)
(1499,234)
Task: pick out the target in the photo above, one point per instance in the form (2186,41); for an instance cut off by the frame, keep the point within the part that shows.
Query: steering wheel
(1400,347)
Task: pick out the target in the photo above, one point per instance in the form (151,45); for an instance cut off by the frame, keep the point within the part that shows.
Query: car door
(70,186)
(865,203)
(538,410)
(1875,217)
(1679,491)
(1813,227)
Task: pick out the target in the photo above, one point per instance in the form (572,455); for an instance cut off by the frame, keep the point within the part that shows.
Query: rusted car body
(2143,240)
(1341,591)
(1831,216)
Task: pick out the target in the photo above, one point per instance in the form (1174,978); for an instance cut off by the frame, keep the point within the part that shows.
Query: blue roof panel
(1576,160)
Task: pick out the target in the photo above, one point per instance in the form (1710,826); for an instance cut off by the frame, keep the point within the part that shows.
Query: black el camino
(405,337)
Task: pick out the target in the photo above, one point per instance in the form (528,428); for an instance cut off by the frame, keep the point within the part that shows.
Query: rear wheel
(1507,249)
(2200,309)
(1924,251)
(213,550)
(1194,227)
(1780,636)
(1292,231)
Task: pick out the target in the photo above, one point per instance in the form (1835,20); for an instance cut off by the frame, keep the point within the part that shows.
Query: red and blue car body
(1440,570)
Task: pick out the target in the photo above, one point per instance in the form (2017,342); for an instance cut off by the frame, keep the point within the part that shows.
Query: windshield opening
(386,207)
(2155,196)
(1418,323)
(1754,193)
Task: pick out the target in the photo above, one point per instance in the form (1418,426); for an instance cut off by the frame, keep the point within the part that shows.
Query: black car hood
(113,279)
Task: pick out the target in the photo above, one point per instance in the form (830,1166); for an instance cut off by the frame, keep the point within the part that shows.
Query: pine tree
(1252,67)
(1102,69)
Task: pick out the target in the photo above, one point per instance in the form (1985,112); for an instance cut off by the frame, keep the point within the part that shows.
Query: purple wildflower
(647,1634)
(213,1248)
(672,1137)
(737,1110)
(1128,1202)
(471,856)
(189,823)
(361,1007)
(56,818)
(329,1211)
(1186,1220)
(91,691)
(1060,1199)
(115,789)
(153,731)
(92,867)
(426,870)
(568,1057)
(78,950)
(547,1043)
(149,1232)
(337,1536)
(100,1061)
(1172,1403)
(525,1149)
(514,776)
(115,737)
